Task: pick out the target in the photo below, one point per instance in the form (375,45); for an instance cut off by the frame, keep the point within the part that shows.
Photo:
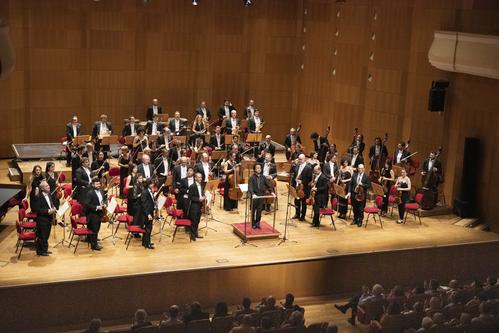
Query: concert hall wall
(353,63)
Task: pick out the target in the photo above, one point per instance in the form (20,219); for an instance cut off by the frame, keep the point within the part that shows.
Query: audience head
(289,300)
(426,323)
(435,303)
(246,321)
(221,309)
(438,318)
(453,284)
(271,301)
(377,288)
(397,291)
(296,318)
(465,318)
(140,316)
(94,326)
(246,303)
(195,308)
(485,308)
(173,311)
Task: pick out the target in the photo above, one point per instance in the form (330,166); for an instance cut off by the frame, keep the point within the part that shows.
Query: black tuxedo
(146,208)
(257,185)
(83,181)
(288,143)
(358,160)
(272,169)
(228,125)
(96,128)
(321,196)
(405,153)
(221,111)
(171,126)
(326,169)
(194,210)
(94,216)
(141,168)
(43,220)
(150,112)
(127,130)
(160,166)
(159,128)
(436,164)
(199,168)
(162,141)
(200,111)
(252,124)
(305,177)
(213,141)
(177,184)
(69,131)
(268,147)
(358,206)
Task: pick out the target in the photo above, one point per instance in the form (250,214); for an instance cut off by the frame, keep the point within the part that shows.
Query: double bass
(430,182)
(235,192)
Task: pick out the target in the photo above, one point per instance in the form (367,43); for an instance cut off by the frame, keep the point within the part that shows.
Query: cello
(235,192)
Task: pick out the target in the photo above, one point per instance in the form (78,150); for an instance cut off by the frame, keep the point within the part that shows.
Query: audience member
(270,305)
(246,309)
(140,319)
(221,310)
(245,326)
(195,313)
(295,320)
(172,317)
(94,326)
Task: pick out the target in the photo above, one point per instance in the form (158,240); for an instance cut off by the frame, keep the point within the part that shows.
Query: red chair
(76,211)
(375,211)
(67,190)
(25,222)
(23,237)
(123,219)
(414,208)
(181,223)
(61,178)
(132,229)
(172,211)
(115,173)
(25,205)
(327,212)
(393,199)
(75,231)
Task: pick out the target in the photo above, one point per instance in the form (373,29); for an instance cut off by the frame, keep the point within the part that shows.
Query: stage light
(248,3)
(194,3)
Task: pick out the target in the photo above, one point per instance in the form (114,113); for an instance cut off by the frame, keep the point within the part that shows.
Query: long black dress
(229,204)
(131,197)
(342,202)
(123,172)
(35,183)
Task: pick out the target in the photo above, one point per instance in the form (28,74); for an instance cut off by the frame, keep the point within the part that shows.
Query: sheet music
(63,208)
(161,202)
(112,205)
(243,187)
(209,197)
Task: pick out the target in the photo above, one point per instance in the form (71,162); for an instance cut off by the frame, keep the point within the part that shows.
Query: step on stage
(114,282)
(265,231)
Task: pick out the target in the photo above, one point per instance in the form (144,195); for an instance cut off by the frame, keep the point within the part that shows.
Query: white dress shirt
(354,158)
(233,122)
(103,129)
(99,196)
(47,198)
(147,171)
(206,169)
(132,129)
(87,171)
(399,156)
(183,171)
(75,132)
(165,164)
(227,111)
(300,169)
(154,109)
(266,169)
(177,125)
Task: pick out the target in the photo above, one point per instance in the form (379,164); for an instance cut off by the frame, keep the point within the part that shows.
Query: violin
(360,193)
(300,191)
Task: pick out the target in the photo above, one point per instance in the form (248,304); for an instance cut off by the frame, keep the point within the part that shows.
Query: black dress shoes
(295,217)
(97,248)
(197,236)
(43,254)
(353,223)
(359,224)
(150,247)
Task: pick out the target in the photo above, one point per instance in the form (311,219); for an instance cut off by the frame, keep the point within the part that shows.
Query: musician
(235,149)
(313,160)
(95,208)
(82,180)
(320,185)
(124,163)
(163,165)
(321,144)
(217,140)
(258,185)
(269,171)
(199,129)
(330,168)
(90,153)
(225,110)
(359,179)
(432,165)
(250,109)
(100,167)
(357,158)
(76,159)
(131,180)
(358,141)
(175,151)
(176,125)
(255,123)
(179,172)
(45,206)
(183,189)
(195,198)
(130,127)
(73,129)
(145,211)
(401,154)
(403,185)
(154,127)
(203,111)
(290,141)
(145,168)
(230,167)
(101,128)
(377,153)
(140,142)
(302,175)
(51,177)
(232,124)
(267,146)
(386,179)
(154,109)
(204,168)
(344,178)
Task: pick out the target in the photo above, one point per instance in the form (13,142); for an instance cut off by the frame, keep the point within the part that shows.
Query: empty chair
(23,237)
(199,326)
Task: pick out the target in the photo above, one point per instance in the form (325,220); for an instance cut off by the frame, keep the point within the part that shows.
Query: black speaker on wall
(436,100)
(466,203)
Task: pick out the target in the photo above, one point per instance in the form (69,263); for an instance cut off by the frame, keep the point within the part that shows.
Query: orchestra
(174,158)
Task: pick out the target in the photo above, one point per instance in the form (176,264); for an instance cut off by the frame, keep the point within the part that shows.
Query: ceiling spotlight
(248,3)
(194,3)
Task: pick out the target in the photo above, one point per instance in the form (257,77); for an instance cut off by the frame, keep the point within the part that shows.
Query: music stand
(62,213)
(111,209)
(162,117)
(211,187)
(254,137)
(244,240)
(218,154)
(81,139)
(181,138)
(228,139)
(291,193)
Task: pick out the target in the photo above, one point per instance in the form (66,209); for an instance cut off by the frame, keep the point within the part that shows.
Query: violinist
(250,109)
(95,207)
(217,140)
(185,183)
(269,171)
(401,154)
(145,168)
(321,144)
(45,206)
(130,127)
(179,173)
(313,160)
(73,129)
(331,170)
(145,211)
(199,129)
(35,180)
(232,124)
(302,175)
(291,140)
(133,178)
(267,146)
(403,185)
(76,159)
(203,111)
(140,142)
(124,163)
(100,167)
(153,110)
(357,158)
(225,110)
(204,168)
(258,185)
(101,128)
(195,199)
(82,180)
(198,147)
(386,180)
(319,194)
(344,178)
(166,139)
(357,192)
(231,170)
(51,177)
(255,123)
(163,166)
(176,125)
(154,127)
(378,153)
(358,141)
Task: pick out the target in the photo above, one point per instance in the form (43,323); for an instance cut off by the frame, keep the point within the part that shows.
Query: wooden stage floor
(218,248)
